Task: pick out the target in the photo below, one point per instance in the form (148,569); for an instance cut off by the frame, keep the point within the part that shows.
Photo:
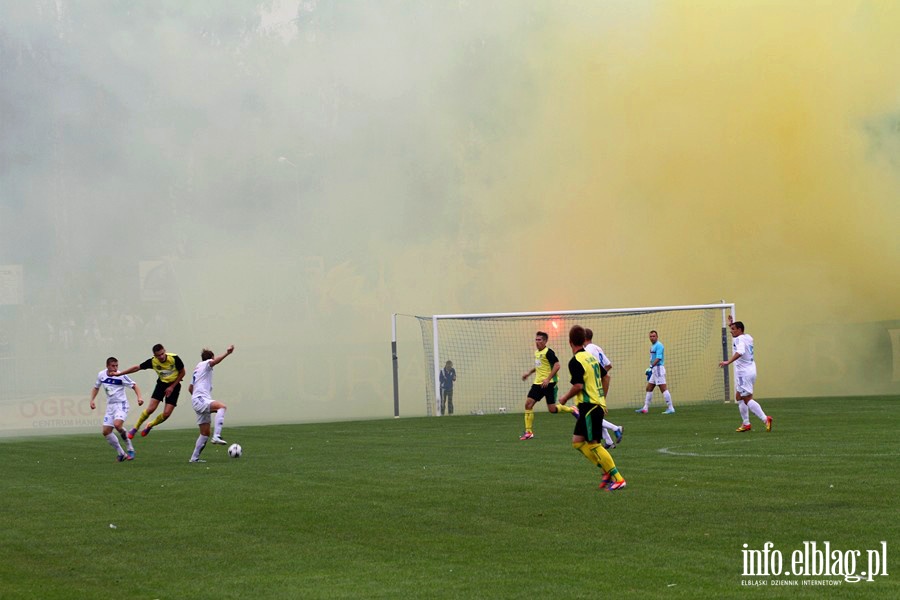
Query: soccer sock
(756,409)
(605,461)
(745,412)
(144,416)
(610,425)
(529,420)
(565,408)
(128,444)
(199,446)
(647,400)
(114,442)
(220,421)
(606,437)
(668,397)
(159,419)
(585,449)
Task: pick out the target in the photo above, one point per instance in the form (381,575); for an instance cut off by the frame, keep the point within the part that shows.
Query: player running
(116,406)
(588,393)
(546,367)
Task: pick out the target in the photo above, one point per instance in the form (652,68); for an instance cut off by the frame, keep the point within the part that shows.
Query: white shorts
(657,375)
(201,407)
(743,384)
(115,411)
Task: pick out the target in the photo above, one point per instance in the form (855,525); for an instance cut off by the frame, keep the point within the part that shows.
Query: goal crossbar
(594,311)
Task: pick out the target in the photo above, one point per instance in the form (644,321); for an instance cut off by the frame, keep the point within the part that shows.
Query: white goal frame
(725,307)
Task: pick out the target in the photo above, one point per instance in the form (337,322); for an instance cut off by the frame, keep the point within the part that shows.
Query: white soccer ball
(234,451)
(502,410)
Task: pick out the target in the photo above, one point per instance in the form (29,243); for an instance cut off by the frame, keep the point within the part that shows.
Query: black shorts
(159,393)
(590,421)
(538,393)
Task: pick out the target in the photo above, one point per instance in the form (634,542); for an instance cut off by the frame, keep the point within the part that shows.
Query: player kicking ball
(204,405)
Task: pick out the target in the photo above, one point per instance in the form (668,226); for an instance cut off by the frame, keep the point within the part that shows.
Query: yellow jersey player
(170,371)
(545,369)
(587,390)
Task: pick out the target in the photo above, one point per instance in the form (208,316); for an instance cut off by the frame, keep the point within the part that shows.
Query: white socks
(199,446)
(220,421)
(128,445)
(647,399)
(745,412)
(609,425)
(757,410)
(668,398)
(113,441)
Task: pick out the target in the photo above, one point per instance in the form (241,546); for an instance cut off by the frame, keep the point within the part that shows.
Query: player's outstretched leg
(143,417)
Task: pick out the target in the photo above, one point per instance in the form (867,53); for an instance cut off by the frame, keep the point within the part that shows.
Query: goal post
(491,351)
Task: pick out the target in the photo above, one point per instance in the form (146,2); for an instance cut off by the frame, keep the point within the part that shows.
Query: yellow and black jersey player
(587,390)
(169,370)
(545,369)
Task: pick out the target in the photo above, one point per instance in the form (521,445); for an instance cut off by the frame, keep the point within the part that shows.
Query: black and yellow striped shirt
(166,370)
(585,370)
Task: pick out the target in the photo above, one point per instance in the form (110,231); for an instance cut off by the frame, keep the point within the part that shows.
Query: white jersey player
(204,405)
(116,406)
(605,367)
(744,375)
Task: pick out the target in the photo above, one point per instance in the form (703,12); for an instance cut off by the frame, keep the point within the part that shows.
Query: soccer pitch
(457,508)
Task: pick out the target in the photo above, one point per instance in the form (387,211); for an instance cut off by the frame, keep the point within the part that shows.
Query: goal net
(491,352)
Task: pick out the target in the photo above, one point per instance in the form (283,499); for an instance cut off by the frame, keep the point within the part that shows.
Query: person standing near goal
(448,376)
(744,375)
(605,367)
(204,405)
(587,390)
(657,376)
(116,406)
(546,367)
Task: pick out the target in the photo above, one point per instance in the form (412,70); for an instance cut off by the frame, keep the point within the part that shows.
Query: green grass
(453,508)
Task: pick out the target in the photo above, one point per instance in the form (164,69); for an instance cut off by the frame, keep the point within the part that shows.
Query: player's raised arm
(216,360)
